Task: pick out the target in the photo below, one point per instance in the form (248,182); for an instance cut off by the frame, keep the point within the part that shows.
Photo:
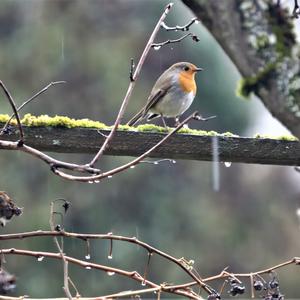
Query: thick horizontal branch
(179,146)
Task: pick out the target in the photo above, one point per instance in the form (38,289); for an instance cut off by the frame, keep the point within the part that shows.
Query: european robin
(172,94)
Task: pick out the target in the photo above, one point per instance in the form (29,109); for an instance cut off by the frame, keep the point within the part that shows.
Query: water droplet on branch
(110,273)
(227,164)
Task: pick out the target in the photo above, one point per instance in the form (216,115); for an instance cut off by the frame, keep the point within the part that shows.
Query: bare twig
(180,289)
(157,46)
(156,162)
(109,270)
(132,66)
(29,100)
(60,249)
(13,106)
(180,28)
(48,159)
(109,236)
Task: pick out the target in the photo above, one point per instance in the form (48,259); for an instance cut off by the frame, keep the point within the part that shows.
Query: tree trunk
(258,37)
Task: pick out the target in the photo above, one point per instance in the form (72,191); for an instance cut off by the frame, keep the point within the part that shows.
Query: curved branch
(13,106)
(133,240)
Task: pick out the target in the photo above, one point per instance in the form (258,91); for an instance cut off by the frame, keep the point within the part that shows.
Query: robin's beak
(198,69)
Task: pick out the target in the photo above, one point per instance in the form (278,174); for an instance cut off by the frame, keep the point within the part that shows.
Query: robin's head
(186,76)
(186,68)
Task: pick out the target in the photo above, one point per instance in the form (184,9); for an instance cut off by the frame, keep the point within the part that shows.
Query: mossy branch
(65,135)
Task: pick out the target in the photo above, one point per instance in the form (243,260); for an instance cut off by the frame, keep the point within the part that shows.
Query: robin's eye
(186,68)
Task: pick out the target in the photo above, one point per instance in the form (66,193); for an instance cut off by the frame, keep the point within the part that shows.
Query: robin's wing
(156,94)
(161,87)
(152,100)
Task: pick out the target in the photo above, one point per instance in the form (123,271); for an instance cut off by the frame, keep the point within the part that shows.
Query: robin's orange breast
(187,82)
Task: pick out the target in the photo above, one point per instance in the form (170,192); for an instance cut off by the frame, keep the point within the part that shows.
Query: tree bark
(258,37)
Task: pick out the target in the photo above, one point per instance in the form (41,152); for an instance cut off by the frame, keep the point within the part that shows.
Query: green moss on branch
(63,121)
(252,84)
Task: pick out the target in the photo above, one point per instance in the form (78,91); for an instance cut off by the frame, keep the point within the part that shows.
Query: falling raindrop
(88,249)
(156,48)
(110,273)
(110,252)
(298,214)
(40,258)
(227,164)
(215,164)
(63,48)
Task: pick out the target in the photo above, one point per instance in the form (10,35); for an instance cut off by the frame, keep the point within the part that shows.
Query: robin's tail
(140,115)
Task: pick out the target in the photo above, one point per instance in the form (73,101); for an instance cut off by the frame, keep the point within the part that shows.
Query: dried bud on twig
(7,209)
(7,282)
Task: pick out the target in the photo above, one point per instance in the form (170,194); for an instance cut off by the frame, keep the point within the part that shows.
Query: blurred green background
(249,224)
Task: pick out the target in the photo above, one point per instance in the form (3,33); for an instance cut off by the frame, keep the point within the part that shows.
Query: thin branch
(180,28)
(66,278)
(157,46)
(48,159)
(29,100)
(132,66)
(150,249)
(109,270)
(131,293)
(131,274)
(225,274)
(13,106)
(131,86)
(60,249)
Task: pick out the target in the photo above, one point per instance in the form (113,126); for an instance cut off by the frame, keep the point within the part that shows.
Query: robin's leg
(163,120)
